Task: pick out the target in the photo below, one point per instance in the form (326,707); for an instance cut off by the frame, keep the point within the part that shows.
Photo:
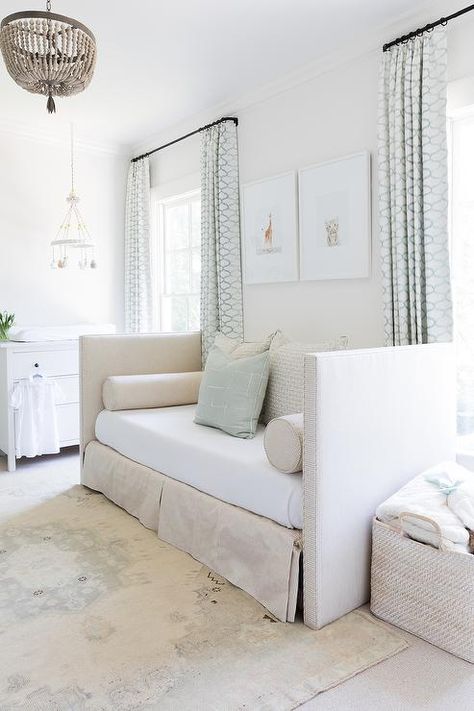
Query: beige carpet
(424,678)
(97,613)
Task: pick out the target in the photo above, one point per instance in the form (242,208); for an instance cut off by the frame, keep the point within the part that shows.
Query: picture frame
(270,229)
(335,219)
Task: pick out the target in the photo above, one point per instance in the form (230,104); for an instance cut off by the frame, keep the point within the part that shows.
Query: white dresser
(53,359)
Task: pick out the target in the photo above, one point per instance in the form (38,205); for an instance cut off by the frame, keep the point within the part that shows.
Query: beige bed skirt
(252,552)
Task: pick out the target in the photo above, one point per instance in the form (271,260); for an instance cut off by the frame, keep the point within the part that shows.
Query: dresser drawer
(69,387)
(50,363)
(68,423)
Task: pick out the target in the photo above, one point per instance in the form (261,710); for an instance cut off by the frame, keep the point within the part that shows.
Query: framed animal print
(334,218)
(270,230)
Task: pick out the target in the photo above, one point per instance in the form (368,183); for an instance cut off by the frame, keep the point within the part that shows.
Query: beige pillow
(237,349)
(285,391)
(136,392)
(284,441)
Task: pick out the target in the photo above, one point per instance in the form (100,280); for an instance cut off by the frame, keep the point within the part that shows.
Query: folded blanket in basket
(461,501)
(443,494)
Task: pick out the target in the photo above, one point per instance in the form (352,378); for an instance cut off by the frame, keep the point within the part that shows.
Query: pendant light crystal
(73,233)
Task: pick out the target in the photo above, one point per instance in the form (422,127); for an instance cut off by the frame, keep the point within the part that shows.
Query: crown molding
(244,102)
(61,136)
(238,105)
(370,43)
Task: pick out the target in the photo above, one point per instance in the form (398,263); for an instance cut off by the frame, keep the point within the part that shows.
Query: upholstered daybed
(373,419)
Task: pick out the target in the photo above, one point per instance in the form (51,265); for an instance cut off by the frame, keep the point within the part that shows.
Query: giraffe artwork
(268,234)
(270,229)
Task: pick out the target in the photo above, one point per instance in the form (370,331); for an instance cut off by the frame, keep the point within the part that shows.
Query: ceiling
(162,62)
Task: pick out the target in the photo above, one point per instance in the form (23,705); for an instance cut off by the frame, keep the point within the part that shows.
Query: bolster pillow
(136,392)
(283,442)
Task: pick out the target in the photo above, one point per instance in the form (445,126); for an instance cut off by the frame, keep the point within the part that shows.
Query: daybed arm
(101,356)
(373,420)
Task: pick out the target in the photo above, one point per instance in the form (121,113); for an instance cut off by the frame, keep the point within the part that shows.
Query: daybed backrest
(373,420)
(101,356)
(285,390)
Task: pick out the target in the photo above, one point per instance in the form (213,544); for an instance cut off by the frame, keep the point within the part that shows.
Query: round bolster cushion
(283,442)
(136,392)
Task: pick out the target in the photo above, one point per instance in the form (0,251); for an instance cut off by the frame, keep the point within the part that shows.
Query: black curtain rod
(427,28)
(193,133)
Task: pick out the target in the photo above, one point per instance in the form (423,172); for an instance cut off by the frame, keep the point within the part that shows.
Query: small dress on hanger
(34,400)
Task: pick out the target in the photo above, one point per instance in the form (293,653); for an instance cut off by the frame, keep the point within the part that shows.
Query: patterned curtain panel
(138,292)
(221,279)
(413,198)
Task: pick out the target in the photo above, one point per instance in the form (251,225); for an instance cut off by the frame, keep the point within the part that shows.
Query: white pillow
(284,443)
(136,392)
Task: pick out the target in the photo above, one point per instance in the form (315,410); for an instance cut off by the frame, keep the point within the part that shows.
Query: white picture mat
(336,189)
(275,196)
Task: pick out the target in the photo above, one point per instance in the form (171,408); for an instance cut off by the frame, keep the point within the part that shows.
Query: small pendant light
(73,233)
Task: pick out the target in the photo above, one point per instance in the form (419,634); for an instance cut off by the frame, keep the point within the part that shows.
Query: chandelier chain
(72,158)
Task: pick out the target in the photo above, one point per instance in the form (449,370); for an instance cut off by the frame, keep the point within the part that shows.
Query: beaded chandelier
(48,54)
(73,233)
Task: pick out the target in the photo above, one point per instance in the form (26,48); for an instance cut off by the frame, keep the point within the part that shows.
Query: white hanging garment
(36,424)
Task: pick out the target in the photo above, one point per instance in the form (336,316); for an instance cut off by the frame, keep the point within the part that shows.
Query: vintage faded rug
(96,613)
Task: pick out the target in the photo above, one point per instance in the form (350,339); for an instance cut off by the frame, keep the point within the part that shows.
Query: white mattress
(231,469)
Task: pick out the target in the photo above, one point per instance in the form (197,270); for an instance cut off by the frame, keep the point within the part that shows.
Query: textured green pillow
(232,392)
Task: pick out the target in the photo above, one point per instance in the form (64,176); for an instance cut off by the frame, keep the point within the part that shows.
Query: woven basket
(424,590)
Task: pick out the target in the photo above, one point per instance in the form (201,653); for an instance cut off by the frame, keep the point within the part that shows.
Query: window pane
(166,313)
(463,269)
(176,227)
(462,272)
(194,314)
(196,223)
(196,271)
(174,313)
(180,263)
(177,272)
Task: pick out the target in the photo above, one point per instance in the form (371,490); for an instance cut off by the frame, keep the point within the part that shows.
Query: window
(462,267)
(178,263)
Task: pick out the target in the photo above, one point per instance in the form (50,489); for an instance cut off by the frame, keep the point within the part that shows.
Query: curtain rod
(427,28)
(192,133)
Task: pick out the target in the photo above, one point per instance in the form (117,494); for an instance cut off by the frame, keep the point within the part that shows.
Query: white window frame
(159,252)
(465,441)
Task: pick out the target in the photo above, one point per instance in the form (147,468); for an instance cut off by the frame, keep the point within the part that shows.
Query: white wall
(461,64)
(324,117)
(328,116)
(34,183)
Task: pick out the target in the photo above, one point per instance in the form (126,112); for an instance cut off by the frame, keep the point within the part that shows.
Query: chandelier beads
(48,54)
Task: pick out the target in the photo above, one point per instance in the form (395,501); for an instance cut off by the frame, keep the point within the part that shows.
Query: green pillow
(232,392)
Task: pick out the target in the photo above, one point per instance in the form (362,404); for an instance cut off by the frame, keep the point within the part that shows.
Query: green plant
(6,322)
